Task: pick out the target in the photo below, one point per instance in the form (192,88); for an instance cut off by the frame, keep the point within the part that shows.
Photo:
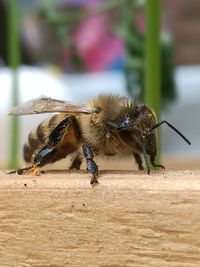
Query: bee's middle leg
(91,165)
(76,162)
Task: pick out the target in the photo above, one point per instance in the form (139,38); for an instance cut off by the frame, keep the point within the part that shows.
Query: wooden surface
(129,219)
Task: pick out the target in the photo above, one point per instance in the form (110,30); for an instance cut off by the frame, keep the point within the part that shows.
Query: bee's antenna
(171,126)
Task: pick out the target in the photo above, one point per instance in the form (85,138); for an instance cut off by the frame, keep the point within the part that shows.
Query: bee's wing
(45,104)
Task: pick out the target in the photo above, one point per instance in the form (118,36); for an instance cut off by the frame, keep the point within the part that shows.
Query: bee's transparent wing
(45,104)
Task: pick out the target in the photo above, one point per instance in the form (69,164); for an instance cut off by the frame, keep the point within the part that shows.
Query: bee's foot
(94,181)
(18,171)
(35,170)
(159,166)
(141,168)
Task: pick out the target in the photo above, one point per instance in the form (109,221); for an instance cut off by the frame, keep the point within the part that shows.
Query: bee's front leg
(152,159)
(91,165)
(146,159)
(138,160)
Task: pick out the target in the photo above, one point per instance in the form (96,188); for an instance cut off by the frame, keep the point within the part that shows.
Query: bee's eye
(97,110)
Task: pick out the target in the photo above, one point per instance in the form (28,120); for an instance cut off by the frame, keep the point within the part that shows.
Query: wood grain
(129,219)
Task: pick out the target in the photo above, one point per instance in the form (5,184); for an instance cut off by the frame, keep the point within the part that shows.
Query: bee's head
(135,128)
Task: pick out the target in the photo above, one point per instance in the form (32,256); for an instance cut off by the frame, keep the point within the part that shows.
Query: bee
(108,125)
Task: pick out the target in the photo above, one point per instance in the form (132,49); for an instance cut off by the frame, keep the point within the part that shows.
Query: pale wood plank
(129,219)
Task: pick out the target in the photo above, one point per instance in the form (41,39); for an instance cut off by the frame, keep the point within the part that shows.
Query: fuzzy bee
(108,125)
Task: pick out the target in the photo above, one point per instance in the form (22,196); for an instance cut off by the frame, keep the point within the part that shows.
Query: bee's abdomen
(38,137)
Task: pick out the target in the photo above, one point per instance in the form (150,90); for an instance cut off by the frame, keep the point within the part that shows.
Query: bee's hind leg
(33,168)
(42,158)
(91,165)
(19,171)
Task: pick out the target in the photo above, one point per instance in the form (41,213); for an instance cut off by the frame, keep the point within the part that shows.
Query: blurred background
(78,49)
